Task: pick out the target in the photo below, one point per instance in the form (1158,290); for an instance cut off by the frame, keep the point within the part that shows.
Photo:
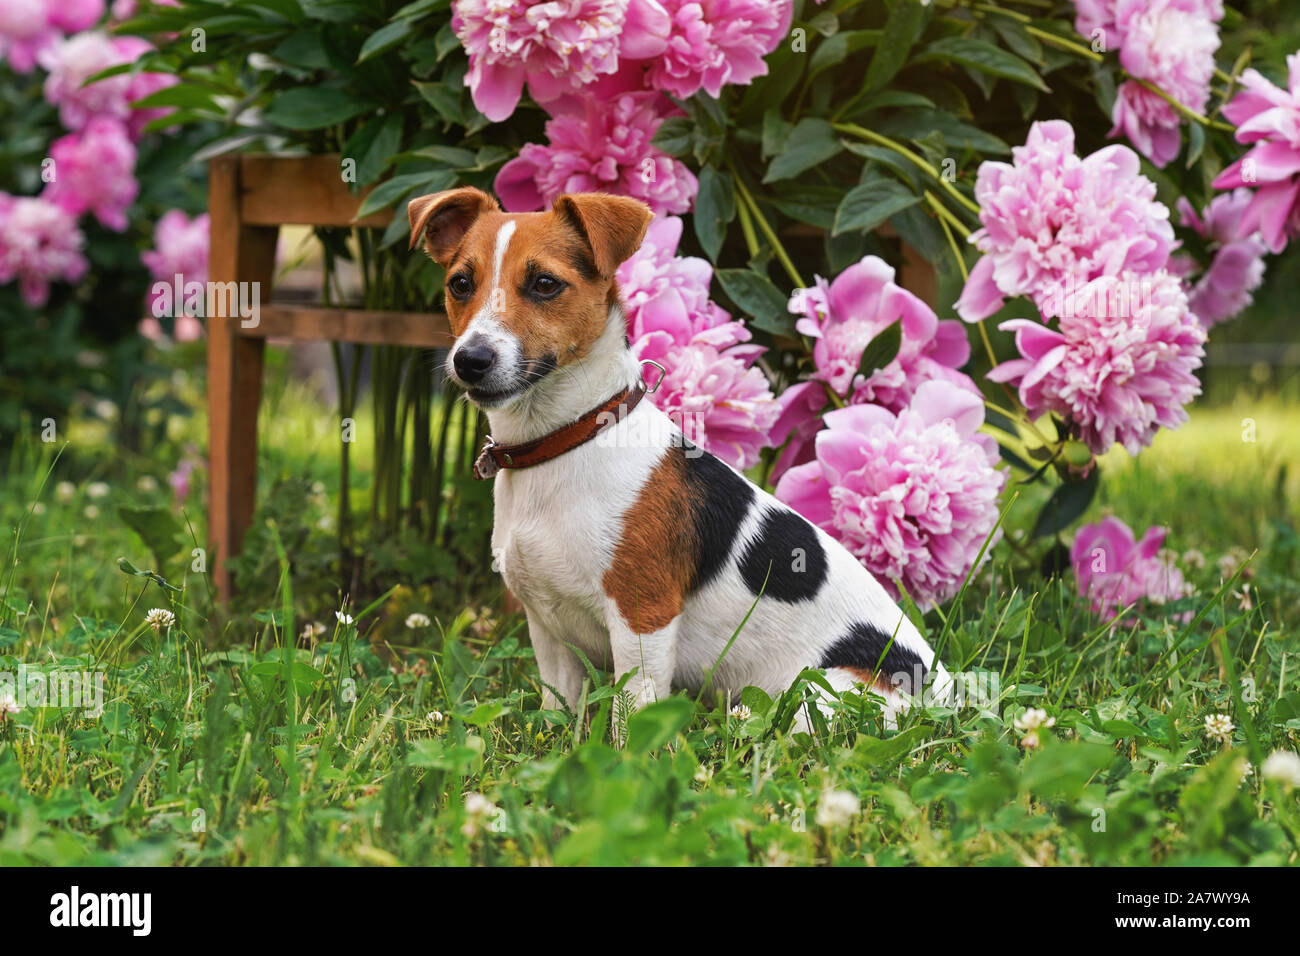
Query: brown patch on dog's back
(877,682)
(654,564)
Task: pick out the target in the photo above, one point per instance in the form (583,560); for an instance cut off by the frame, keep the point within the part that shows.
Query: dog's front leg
(652,655)
(558,666)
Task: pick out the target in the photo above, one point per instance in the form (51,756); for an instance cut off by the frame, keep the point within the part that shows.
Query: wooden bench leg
(241,254)
(234,392)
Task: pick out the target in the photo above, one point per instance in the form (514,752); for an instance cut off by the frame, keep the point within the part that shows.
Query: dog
(620,537)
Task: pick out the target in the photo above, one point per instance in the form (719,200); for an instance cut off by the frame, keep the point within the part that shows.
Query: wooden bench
(249,198)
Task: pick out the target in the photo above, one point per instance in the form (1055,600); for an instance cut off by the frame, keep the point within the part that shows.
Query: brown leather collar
(494,456)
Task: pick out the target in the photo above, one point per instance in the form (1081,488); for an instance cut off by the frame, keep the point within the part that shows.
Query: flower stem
(871,136)
(765,227)
(1185,111)
(947,231)
(747,228)
(1061,43)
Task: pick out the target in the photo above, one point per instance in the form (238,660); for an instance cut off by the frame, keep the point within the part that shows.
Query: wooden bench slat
(299,191)
(316,323)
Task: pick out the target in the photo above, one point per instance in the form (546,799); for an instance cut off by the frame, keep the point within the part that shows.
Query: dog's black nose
(473,361)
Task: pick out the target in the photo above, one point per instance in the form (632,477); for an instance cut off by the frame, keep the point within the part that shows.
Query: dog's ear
(612,225)
(444,218)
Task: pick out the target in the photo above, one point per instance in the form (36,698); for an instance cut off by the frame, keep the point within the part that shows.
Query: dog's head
(526,293)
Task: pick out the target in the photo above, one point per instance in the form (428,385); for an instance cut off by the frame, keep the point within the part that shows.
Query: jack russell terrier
(620,537)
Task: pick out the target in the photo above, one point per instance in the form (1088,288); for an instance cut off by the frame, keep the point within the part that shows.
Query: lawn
(230,736)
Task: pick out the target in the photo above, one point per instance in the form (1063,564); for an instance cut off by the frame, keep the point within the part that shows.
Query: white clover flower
(146,484)
(312,630)
(8,704)
(837,808)
(417,620)
(344,618)
(1244,600)
(1230,561)
(435,717)
(478,809)
(159,617)
(1219,727)
(97,489)
(1033,718)
(91,512)
(106,410)
(1282,766)
(65,491)
(38,508)
(740,712)
(703,774)
(1193,558)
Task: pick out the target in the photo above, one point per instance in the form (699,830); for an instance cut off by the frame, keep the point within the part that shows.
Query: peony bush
(1092,190)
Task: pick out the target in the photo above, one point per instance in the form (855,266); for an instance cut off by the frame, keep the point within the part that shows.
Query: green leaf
(656,724)
(1067,503)
(985,57)
(385,38)
(834,50)
(444,100)
(1063,770)
(918,124)
(1020,40)
(675,135)
(812,141)
(484,714)
(126,567)
(882,349)
(187,95)
(902,30)
(866,206)
(314,107)
(715,207)
(157,527)
(755,294)
(391,190)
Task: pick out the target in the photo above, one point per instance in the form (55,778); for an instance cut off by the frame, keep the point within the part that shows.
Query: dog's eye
(547,286)
(461,286)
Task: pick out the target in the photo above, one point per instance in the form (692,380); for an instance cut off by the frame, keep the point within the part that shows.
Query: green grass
(223,741)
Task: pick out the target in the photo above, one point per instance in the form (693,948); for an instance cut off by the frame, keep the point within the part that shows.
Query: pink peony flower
(39,243)
(1120,367)
(1115,571)
(80,57)
(843,318)
(1168,43)
(1053,222)
(1225,287)
(606,148)
(73,16)
(718,399)
(710,387)
(666,296)
(94,171)
(913,496)
(1269,118)
(180,248)
(555,47)
(715,42)
(25,33)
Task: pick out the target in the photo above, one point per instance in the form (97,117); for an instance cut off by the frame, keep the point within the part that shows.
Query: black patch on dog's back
(788,546)
(719,501)
(861,649)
